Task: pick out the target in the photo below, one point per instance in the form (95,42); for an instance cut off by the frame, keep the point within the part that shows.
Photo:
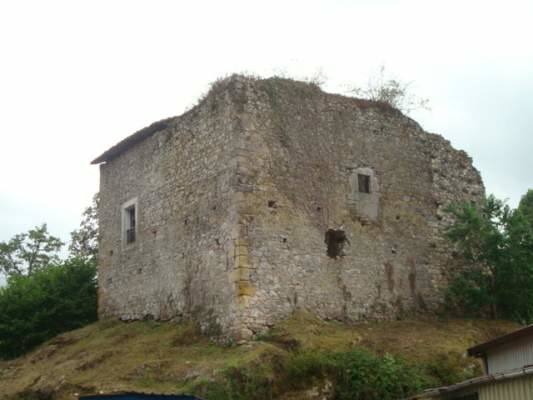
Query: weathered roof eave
(480,349)
(132,140)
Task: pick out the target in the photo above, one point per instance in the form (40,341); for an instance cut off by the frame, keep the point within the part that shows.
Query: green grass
(112,356)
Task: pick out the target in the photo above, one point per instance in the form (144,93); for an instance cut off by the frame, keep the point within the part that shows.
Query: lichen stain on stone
(243,269)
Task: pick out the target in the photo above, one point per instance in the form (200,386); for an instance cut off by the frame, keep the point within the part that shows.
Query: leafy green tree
(84,241)
(526,206)
(497,242)
(28,252)
(36,307)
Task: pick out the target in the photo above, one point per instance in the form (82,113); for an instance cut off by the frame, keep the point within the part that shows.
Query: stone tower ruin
(270,196)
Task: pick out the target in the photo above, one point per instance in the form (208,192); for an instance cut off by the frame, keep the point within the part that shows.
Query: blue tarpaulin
(135,396)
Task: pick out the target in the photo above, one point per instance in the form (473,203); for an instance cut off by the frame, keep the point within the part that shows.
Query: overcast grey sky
(78,76)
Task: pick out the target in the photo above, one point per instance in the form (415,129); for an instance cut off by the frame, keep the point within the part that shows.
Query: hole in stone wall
(319,208)
(335,240)
(272,204)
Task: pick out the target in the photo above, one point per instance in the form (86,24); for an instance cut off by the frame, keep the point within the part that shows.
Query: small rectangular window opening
(363,183)
(130,224)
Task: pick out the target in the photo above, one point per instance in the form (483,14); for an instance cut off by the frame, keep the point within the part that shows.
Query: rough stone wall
(181,263)
(236,199)
(306,149)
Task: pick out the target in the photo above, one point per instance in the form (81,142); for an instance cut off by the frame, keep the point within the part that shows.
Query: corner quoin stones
(270,196)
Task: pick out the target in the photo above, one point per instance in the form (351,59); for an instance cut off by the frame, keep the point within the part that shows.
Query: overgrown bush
(395,93)
(355,375)
(358,374)
(452,367)
(50,301)
(238,384)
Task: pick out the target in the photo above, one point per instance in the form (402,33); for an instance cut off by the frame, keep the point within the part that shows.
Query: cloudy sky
(78,76)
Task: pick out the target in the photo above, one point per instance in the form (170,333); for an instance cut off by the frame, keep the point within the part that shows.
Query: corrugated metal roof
(482,380)
(515,389)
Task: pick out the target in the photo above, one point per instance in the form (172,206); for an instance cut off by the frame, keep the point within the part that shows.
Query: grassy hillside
(169,358)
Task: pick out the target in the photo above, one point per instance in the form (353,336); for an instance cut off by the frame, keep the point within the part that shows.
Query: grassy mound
(298,359)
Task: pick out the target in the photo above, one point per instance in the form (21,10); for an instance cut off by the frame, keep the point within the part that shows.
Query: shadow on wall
(135,396)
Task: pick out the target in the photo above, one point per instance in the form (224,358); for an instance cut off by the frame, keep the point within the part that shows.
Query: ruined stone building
(270,196)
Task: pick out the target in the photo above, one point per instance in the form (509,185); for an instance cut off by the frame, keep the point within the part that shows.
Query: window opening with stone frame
(130,224)
(129,221)
(363,183)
